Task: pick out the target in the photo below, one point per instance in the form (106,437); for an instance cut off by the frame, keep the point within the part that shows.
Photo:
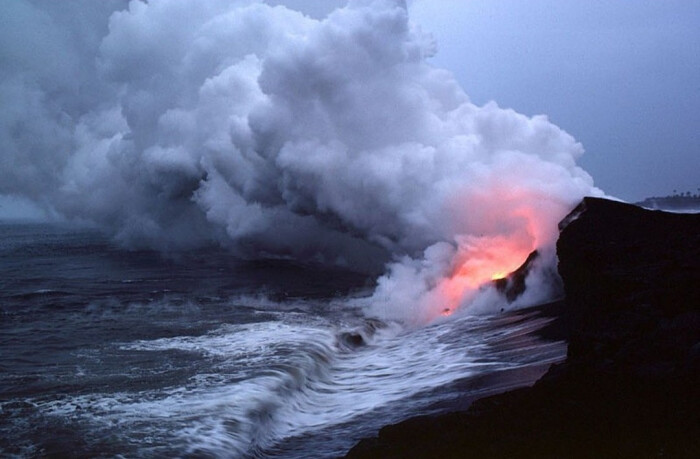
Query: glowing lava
(480,261)
(492,235)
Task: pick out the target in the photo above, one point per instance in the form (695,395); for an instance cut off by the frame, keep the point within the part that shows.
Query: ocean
(108,352)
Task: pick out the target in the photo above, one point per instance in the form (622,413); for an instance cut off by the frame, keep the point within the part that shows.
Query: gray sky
(313,8)
(623,77)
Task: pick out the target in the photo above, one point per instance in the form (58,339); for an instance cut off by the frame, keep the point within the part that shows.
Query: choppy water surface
(108,352)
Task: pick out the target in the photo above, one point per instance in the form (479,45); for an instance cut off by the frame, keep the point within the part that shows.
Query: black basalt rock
(630,386)
(632,282)
(513,285)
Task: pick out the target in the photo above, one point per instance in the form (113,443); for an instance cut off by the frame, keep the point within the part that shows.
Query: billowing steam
(176,124)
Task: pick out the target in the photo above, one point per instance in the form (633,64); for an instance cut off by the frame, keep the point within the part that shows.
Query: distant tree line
(681,199)
(682,194)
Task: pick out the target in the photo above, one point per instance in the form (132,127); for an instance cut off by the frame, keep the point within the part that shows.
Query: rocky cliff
(630,386)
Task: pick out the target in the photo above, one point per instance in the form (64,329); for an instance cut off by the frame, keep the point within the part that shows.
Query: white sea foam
(284,378)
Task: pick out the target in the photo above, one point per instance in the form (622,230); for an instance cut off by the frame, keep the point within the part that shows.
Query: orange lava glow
(497,227)
(480,261)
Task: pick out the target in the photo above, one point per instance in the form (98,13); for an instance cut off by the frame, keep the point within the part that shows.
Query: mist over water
(175,125)
(303,221)
(109,352)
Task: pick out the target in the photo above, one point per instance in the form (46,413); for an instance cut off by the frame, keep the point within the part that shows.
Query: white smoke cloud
(174,124)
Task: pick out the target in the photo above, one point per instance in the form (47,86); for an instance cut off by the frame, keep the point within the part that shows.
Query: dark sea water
(106,352)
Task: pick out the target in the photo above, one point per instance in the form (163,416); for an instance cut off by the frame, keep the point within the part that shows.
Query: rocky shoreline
(630,386)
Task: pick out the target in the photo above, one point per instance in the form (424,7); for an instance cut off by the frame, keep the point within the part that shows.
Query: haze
(623,78)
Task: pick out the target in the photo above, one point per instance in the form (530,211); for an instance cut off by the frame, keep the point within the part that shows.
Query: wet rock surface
(630,386)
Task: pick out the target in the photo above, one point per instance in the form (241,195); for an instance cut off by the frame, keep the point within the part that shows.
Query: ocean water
(107,352)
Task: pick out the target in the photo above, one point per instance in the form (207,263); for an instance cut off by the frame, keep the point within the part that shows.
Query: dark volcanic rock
(632,282)
(513,285)
(630,386)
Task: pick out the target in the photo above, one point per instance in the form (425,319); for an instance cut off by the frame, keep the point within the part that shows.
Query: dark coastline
(630,386)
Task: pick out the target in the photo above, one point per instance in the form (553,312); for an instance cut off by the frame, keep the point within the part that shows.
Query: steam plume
(176,124)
